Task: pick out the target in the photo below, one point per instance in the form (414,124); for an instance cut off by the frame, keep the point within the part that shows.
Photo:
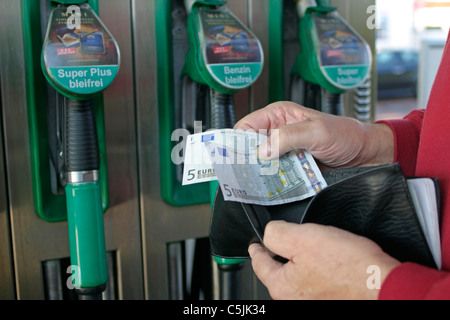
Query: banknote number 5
(191,174)
(227,189)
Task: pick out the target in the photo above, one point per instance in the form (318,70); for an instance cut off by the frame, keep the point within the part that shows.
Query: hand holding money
(231,157)
(334,141)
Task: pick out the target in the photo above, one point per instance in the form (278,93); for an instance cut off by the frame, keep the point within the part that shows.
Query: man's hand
(324,262)
(334,141)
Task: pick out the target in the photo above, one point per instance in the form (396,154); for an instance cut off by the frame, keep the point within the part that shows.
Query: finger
(276,115)
(298,136)
(283,238)
(264,266)
(260,119)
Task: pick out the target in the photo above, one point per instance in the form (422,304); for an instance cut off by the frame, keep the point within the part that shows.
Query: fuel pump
(79,59)
(334,59)
(221,57)
(224,57)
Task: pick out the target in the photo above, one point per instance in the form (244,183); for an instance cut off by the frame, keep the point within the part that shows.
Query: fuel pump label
(82,60)
(236,75)
(343,55)
(232,53)
(84,80)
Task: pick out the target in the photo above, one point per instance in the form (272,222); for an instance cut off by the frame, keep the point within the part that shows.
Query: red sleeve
(406,137)
(410,281)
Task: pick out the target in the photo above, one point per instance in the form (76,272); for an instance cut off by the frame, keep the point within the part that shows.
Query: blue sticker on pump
(208,137)
(92,43)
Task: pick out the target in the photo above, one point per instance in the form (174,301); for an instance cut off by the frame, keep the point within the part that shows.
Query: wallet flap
(234,225)
(378,206)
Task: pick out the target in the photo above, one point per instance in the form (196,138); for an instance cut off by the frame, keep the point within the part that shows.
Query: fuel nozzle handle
(223,116)
(81,77)
(81,152)
(83,198)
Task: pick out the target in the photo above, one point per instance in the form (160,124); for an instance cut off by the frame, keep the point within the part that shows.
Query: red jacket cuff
(410,281)
(406,138)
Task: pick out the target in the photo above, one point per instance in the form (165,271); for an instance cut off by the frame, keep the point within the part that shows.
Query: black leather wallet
(373,202)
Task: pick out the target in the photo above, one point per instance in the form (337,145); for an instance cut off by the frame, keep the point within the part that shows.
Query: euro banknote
(230,156)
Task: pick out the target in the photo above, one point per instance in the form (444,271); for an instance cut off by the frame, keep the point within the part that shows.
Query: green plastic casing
(195,65)
(213,186)
(86,234)
(61,84)
(48,206)
(83,204)
(68,2)
(324,3)
(276,63)
(172,191)
(307,64)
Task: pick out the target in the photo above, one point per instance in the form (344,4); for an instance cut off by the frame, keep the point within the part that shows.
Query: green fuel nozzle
(80,59)
(188,4)
(224,54)
(333,54)
(227,57)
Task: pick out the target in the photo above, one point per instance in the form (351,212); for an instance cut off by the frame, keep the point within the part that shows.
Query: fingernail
(264,151)
(253,248)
